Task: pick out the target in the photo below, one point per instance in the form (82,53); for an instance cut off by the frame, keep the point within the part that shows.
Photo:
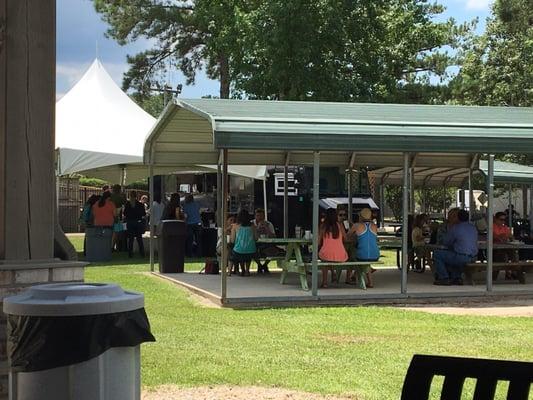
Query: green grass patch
(360,351)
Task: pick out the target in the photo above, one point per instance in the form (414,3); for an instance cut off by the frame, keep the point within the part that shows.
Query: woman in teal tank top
(367,240)
(243,237)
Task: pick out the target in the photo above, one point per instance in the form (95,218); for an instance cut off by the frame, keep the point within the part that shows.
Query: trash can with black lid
(172,237)
(75,341)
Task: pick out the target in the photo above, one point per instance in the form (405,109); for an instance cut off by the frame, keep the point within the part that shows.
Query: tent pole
(151,201)
(405,221)
(316,191)
(265,203)
(490,213)
(350,199)
(471,201)
(123,177)
(224,209)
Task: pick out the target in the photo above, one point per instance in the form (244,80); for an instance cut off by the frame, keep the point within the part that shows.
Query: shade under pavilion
(406,138)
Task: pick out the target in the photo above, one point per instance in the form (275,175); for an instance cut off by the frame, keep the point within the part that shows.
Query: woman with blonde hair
(367,240)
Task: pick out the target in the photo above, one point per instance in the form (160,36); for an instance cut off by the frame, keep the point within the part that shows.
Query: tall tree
(497,66)
(344,50)
(359,50)
(187,35)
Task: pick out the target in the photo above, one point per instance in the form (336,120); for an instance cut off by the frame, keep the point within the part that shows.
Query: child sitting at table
(331,242)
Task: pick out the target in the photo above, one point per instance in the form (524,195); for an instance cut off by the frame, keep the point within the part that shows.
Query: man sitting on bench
(461,240)
(264,229)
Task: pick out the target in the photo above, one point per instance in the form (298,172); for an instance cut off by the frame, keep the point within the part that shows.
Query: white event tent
(100,132)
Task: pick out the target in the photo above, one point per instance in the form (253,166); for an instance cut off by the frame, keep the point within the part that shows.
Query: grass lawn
(360,351)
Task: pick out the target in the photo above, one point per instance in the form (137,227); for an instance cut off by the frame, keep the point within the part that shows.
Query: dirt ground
(224,392)
(501,308)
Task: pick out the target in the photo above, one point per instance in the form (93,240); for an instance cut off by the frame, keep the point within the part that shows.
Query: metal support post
(510,205)
(286,199)
(152,227)
(382,205)
(219,195)
(224,209)
(350,198)
(316,190)
(490,228)
(405,222)
(471,201)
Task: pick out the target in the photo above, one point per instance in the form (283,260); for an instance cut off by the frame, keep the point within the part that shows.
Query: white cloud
(478,4)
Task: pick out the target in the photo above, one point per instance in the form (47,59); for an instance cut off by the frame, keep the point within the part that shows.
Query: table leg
(301,267)
(285,263)
(361,271)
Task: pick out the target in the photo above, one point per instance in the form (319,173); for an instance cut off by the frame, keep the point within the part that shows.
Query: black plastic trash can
(75,341)
(171,238)
(98,243)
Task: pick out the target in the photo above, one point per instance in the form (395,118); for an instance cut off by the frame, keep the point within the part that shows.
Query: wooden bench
(487,375)
(521,267)
(361,267)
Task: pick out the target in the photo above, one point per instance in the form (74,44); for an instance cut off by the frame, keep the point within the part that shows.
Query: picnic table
(293,260)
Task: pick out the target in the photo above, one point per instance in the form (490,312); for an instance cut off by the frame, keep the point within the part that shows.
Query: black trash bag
(40,343)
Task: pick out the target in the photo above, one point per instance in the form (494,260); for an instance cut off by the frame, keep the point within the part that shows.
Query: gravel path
(503,308)
(224,392)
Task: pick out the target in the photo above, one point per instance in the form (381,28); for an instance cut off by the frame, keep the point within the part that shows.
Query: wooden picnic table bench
(521,267)
(361,267)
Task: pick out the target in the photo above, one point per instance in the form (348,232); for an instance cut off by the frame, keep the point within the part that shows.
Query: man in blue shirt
(194,226)
(461,240)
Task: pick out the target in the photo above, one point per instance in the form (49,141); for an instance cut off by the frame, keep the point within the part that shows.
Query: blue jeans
(449,264)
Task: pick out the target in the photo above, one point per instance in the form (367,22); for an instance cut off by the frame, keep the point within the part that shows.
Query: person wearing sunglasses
(342,219)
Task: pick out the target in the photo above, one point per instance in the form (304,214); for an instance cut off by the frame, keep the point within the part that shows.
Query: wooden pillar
(27,178)
(27,101)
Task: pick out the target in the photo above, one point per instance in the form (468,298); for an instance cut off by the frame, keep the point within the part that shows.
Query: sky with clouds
(80,36)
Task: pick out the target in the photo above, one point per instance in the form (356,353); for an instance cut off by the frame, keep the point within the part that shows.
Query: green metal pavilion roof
(423,177)
(507,172)
(263,132)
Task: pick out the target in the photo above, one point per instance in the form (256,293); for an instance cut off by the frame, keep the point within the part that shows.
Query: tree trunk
(224,77)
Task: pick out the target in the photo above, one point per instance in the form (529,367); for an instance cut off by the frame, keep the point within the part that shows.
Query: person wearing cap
(367,248)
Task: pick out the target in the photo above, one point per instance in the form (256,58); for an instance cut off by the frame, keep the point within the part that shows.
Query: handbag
(211,267)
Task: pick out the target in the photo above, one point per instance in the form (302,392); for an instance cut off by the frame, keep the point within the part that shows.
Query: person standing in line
(118,199)
(156,211)
(194,226)
(173,210)
(134,214)
(103,212)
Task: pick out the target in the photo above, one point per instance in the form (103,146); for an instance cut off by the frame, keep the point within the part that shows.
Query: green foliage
(432,199)
(141,185)
(394,199)
(94,182)
(330,50)
(362,50)
(152,104)
(497,66)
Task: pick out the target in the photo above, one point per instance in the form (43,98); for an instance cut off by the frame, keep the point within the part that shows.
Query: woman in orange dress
(331,242)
